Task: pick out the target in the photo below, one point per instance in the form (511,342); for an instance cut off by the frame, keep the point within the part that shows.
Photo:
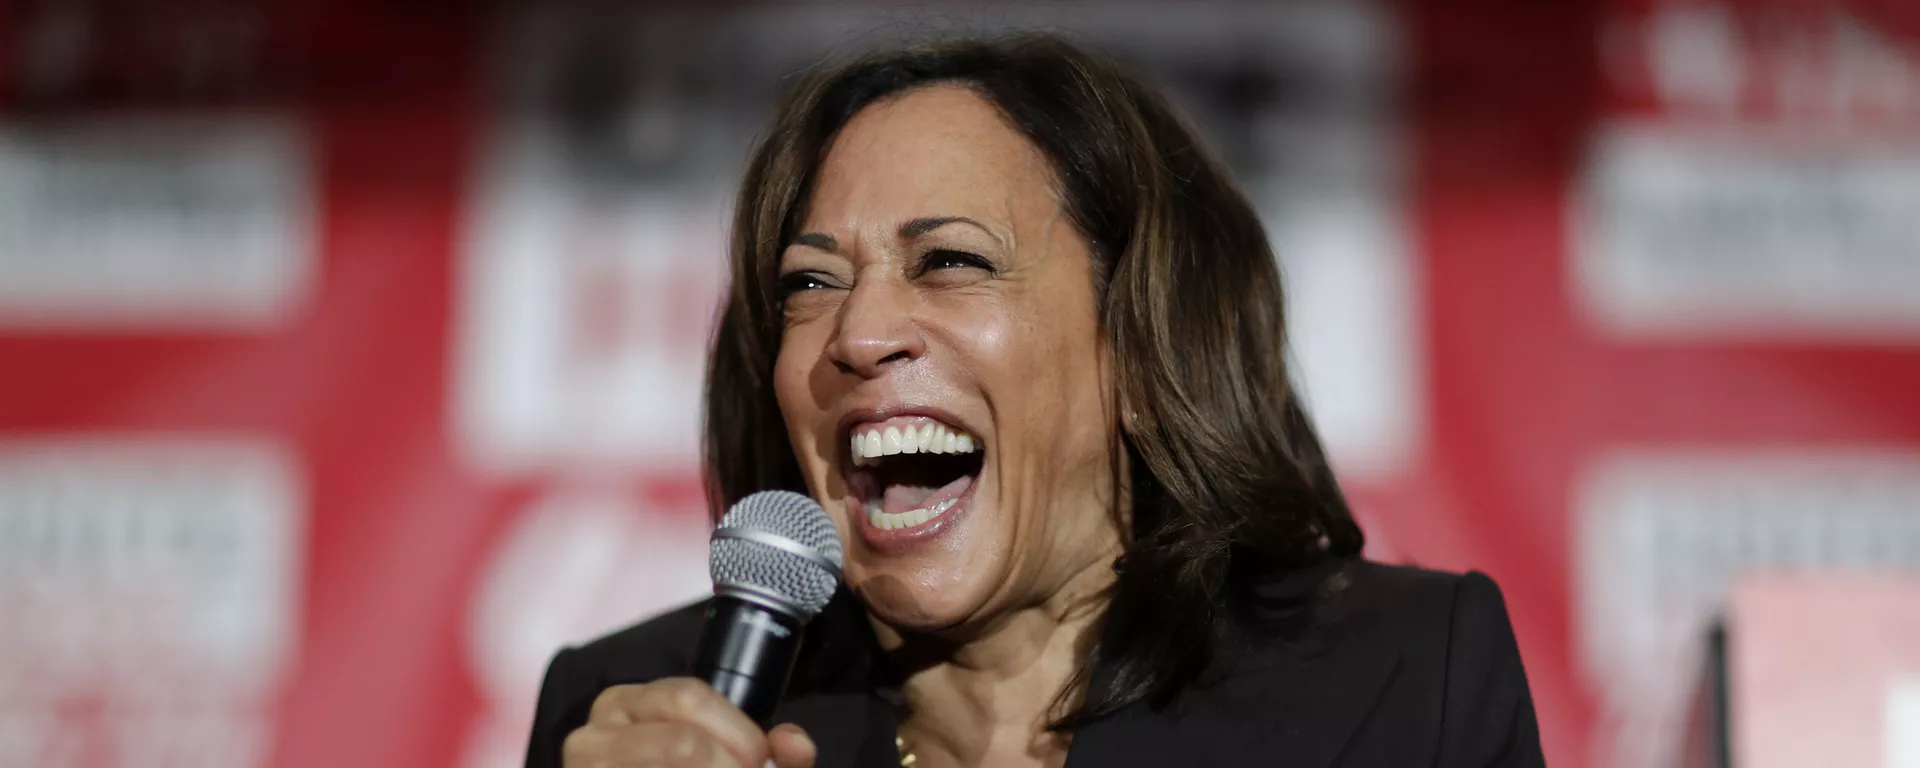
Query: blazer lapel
(1282,707)
(852,729)
(1317,703)
(1135,736)
(837,692)
(1279,707)
(1288,705)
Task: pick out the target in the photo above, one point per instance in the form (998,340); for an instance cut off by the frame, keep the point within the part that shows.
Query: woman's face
(943,374)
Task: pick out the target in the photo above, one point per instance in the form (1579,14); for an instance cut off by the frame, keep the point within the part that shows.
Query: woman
(997,310)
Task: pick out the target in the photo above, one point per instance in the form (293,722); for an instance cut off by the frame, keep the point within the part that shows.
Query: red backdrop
(425,580)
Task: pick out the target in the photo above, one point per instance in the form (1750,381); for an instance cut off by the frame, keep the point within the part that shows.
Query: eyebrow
(908,231)
(925,224)
(818,240)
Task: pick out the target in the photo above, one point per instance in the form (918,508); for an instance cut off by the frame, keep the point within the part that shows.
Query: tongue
(906,498)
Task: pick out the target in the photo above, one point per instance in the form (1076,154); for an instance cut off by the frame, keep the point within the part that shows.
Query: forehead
(940,149)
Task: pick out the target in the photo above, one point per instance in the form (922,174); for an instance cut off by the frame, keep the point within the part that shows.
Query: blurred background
(350,352)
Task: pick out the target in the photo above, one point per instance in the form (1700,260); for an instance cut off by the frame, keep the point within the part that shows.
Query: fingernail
(770,763)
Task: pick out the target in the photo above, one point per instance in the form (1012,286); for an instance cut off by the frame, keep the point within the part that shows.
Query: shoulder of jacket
(661,646)
(1402,605)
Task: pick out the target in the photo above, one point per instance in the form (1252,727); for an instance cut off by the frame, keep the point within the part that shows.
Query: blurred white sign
(1806,64)
(1662,534)
(579,562)
(1738,234)
(153,582)
(584,316)
(1353,320)
(155,223)
(1901,729)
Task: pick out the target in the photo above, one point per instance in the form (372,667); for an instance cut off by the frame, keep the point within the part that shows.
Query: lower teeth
(892,521)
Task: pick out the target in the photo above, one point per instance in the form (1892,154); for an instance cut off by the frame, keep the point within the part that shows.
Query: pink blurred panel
(1814,664)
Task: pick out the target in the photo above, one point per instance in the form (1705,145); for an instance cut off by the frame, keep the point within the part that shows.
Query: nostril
(869,355)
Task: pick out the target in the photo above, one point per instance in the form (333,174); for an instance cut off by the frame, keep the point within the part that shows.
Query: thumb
(791,746)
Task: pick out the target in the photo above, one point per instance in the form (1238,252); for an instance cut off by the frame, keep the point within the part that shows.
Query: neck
(986,700)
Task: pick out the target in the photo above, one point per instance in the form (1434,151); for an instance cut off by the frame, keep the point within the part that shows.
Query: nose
(876,328)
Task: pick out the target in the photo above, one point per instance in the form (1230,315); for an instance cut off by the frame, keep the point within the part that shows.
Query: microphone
(776,559)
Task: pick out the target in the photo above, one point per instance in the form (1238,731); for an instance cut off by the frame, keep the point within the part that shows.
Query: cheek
(800,351)
(1067,389)
(1003,341)
(1053,358)
(789,385)
(1042,371)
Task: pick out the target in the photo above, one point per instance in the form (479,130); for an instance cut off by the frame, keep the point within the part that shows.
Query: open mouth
(907,473)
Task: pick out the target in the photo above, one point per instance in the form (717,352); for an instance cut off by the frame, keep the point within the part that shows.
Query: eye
(800,282)
(949,259)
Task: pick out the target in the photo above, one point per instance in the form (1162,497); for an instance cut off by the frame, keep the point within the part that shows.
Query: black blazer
(1407,668)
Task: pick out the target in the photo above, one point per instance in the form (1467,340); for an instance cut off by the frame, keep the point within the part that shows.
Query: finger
(587,745)
(609,706)
(689,701)
(792,747)
(657,743)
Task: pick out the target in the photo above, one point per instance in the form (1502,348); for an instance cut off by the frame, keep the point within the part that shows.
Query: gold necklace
(907,758)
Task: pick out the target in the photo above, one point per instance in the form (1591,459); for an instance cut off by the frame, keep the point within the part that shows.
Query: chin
(921,601)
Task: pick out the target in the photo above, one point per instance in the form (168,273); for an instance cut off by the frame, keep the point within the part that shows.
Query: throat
(987,700)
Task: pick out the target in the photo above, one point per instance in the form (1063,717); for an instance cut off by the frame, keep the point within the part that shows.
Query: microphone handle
(746,652)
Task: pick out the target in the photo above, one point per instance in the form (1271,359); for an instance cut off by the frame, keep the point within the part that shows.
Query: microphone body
(747,652)
(776,563)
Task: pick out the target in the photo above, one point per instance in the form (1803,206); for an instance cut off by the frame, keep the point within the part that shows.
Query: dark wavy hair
(1229,486)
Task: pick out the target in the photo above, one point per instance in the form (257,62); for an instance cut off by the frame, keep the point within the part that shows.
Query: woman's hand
(679,722)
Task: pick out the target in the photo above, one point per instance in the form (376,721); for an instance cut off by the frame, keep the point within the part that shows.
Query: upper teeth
(931,437)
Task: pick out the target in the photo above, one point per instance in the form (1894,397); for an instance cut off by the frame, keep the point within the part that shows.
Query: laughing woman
(995,307)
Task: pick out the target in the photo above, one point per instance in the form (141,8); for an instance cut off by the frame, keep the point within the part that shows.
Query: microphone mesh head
(791,516)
